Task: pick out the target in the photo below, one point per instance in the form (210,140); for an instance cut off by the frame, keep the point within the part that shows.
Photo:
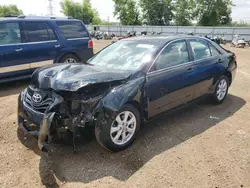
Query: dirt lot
(189,148)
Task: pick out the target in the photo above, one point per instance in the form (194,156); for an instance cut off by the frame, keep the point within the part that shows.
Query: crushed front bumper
(28,119)
(36,123)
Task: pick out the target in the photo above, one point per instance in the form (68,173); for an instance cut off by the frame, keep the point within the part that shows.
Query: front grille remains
(39,106)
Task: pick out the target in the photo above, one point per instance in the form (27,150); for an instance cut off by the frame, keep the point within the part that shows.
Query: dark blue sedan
(123,85)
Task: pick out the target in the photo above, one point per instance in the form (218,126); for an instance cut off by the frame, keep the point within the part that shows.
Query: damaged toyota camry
(123,86)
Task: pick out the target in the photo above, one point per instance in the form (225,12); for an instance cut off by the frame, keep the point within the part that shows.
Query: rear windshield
(72,29)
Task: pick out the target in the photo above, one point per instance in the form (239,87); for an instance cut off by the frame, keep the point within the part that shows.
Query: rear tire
(221,90)
(120,132)
(69,58)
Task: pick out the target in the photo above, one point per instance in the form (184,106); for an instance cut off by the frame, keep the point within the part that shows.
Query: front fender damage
(129,93)
(123,94)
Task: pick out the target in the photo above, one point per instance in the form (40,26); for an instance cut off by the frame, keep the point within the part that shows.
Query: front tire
(120,132)
(221,90)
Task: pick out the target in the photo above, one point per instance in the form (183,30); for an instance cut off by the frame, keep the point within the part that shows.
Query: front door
(12,49)
(170,81)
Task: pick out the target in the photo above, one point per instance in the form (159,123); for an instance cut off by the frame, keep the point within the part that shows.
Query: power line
(50,8)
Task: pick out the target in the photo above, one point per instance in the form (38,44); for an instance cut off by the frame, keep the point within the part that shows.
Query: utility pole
(50,7)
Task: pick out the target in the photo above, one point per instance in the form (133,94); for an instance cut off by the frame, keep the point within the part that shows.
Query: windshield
(124,55)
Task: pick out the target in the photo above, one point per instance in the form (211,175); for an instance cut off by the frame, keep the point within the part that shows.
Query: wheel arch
(138,106)
(228,74)
(65,54)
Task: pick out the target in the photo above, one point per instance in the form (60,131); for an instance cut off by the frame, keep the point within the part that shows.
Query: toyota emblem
(37,98)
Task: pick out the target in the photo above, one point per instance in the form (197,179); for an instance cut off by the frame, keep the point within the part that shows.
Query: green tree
(127,12)
(82,11)
(96,19)
(213,12)
(6,10)
(183,12)
(157,12)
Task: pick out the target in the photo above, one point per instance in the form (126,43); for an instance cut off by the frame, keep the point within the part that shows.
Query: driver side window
(175,53)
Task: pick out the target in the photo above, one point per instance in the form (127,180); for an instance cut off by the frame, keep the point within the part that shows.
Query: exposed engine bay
(67,98)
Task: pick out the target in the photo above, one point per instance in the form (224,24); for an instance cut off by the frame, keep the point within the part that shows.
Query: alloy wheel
(123,128)
(222,89)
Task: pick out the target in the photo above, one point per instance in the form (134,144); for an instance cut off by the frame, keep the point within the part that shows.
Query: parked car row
(27,43)
(102,35)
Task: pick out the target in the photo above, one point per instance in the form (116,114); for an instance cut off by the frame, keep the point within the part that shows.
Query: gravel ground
(200,146)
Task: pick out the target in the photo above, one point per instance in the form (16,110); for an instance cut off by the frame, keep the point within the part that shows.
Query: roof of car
(164,38)
(36,18)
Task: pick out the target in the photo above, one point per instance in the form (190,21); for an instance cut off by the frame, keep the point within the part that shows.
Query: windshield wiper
(87,63)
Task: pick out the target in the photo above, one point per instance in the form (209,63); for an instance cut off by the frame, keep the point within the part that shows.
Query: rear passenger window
(39,32)
(214,50)
(71,30)
(9,33)
(200,49)
(174,54)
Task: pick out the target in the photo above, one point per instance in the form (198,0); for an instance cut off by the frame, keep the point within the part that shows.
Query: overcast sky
(106,7)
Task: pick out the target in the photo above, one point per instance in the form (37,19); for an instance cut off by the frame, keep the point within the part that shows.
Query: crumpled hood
(71,77)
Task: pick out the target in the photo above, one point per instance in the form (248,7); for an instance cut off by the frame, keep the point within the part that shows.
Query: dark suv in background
(27,43)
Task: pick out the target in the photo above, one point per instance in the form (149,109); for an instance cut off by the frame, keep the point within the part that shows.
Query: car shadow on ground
(13,88)
(93,162)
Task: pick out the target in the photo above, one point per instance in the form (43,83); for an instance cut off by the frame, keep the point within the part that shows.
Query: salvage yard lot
(200,146)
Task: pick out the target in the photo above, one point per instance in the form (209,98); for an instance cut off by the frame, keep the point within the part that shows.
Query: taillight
(90,44)
(234,66)
(235,59)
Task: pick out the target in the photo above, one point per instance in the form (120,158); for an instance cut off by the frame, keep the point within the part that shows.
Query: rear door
(42,43)
(76,38)
(12,48)
(207,62)
(170,81)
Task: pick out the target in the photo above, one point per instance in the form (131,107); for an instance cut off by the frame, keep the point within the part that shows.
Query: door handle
(19,50)
(57,46)
(190,69)
(219,60)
